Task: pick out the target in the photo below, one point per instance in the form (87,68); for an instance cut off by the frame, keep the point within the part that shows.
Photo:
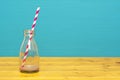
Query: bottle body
(31,63)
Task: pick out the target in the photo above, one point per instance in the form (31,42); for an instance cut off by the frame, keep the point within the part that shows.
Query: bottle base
(29,69)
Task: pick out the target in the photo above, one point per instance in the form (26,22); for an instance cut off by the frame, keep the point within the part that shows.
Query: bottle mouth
(28,32)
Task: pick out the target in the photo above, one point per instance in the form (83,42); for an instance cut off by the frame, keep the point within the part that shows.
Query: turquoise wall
(64,27)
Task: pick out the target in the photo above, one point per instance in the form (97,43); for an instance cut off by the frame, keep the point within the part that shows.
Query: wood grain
(63,68)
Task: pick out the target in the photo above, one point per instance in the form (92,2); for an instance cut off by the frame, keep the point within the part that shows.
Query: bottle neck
(28,33)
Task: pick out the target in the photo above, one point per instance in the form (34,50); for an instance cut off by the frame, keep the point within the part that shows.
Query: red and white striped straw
(30,37)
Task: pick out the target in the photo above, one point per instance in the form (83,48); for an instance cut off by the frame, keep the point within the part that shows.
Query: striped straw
(30,36)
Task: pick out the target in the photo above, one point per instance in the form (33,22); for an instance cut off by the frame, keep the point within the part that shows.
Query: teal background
(64,27)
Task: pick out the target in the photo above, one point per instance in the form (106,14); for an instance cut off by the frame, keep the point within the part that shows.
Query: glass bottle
(31,63)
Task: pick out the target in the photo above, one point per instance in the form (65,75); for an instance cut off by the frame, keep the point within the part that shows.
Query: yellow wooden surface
(63,68)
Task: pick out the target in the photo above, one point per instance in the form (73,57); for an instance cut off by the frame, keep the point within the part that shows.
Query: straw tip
(38,8)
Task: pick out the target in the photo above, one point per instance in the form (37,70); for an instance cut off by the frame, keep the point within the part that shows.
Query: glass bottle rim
(28,32)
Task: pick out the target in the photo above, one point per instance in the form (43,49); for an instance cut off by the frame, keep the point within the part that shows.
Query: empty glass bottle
(31,64)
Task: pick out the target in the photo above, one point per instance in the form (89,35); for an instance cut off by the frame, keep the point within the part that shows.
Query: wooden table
(63,68)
